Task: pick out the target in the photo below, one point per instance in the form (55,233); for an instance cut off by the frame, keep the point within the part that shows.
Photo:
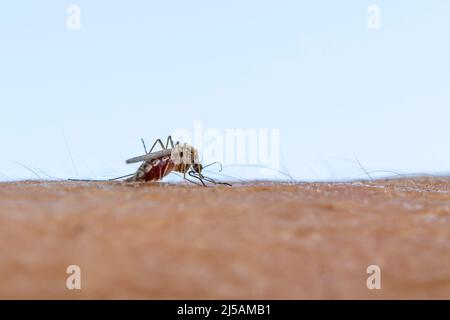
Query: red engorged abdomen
(159,169)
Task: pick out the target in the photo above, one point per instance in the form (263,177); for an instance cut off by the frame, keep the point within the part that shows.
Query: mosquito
(182,158)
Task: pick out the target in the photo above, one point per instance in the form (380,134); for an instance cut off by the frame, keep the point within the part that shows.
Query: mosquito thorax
(184,156)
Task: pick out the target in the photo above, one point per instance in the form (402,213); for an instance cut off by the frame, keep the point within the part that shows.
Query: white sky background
(311,69)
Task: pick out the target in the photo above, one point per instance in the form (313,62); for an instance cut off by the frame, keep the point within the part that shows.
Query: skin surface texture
(252,241)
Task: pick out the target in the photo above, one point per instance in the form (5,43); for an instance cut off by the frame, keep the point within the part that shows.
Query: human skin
(257,240)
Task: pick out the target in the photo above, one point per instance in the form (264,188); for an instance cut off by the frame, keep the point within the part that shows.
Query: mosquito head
(197,167)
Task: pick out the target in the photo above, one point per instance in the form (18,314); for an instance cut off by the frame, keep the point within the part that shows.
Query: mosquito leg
(198,184)
(143,143)
(125,176)
(214,181)
(184,177)
(194,175)
(169,140)
(212,163)
(201,180)
(153,146)
(113,179)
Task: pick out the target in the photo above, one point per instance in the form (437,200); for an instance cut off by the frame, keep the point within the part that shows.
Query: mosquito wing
(151,156)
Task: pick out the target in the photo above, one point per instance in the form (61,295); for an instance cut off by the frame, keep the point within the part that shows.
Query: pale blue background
(144,68)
